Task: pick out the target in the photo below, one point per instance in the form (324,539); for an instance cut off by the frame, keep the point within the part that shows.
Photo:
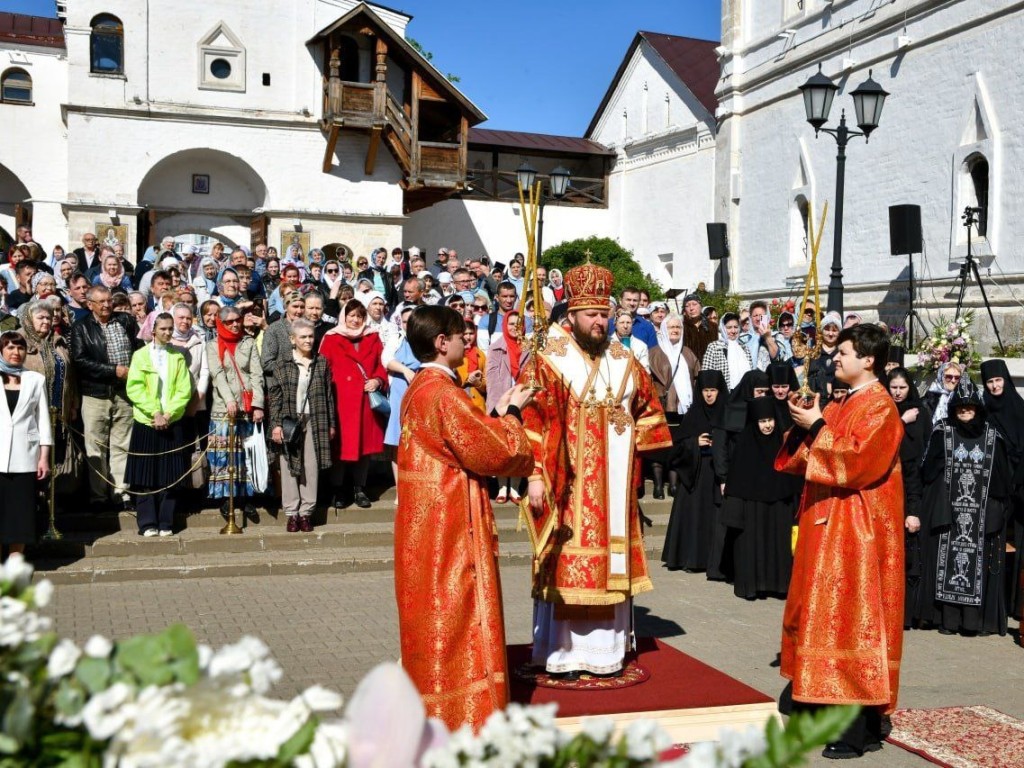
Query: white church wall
(476,227)
(648,100)
(957,55)
(34,148)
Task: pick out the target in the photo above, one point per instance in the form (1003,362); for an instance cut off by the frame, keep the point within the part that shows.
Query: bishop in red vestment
(446,576)
(842,633)
(594,412)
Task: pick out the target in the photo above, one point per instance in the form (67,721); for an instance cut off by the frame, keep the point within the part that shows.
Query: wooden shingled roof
(31,30)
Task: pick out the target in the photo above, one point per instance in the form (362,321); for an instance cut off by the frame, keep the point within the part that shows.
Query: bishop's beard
(592,346)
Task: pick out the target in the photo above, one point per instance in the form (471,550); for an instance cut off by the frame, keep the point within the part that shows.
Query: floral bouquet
(950,341)
(778,306)
(162,701)
(897,336)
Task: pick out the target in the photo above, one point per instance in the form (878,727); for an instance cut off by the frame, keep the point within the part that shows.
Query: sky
(532,65)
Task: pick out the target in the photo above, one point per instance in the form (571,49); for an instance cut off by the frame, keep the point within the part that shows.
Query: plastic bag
(256,464)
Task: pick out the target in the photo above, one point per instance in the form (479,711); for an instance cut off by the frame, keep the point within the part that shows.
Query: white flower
(63,659)
(18,624)
(107,711)
(328,748)
(98,647)
(598,728)
(16,571)
(43,593)
(736,747)
(645,740)
(702,755)
(320,699)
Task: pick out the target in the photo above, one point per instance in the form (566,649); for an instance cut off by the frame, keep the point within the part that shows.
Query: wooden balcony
(370,107)
(502,186)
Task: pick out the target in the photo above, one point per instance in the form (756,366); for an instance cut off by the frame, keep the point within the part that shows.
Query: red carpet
(960,737)
(633,674)
(677,682)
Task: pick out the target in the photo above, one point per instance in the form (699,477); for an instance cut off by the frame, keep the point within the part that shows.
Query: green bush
(607,253)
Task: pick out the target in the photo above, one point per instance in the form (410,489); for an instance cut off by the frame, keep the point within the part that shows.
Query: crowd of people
(159,373)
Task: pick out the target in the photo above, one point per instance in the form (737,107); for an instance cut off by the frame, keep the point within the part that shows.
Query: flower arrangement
(777,306)
(162,701)
(950,340)
(897,336)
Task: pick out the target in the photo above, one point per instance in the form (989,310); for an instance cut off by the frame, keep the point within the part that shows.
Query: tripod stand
(911,316)
(970,266)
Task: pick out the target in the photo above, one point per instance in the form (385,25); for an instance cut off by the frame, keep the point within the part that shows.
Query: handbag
(246,393)
(378,401)
(68,474)
(200,473)
(294,427)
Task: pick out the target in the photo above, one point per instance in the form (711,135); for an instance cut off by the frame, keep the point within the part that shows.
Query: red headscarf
(515,351)
(472,357)
(227,340)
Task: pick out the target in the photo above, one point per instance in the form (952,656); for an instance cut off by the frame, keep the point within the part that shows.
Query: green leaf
(299,743)
(19,717)
(94,674)
(146,657)
(69,699)
(8,744)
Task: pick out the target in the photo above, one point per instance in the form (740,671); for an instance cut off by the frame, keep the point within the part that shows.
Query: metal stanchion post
(52,534)
(232,526)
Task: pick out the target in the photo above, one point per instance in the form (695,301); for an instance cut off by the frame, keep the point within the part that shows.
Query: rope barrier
(194,444)
(195,465)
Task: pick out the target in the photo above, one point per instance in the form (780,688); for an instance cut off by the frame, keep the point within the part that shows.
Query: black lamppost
(526,176)
(868,100)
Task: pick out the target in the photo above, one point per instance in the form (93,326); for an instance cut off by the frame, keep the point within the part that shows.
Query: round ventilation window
(220,68)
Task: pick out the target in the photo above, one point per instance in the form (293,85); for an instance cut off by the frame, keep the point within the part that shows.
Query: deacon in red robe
(842,633)
(446,543)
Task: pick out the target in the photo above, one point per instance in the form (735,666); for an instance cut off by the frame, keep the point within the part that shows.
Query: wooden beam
(463,149)
(417,83)
(371,151)
(332,142)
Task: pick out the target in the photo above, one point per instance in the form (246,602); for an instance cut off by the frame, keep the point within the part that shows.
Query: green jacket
(142,387)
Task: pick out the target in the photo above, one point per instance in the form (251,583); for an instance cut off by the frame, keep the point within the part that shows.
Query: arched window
(16,87)
(977,167)
(106,45)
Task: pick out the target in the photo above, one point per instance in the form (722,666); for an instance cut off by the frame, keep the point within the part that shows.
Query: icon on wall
(295,244)
(111,234)
(200,183)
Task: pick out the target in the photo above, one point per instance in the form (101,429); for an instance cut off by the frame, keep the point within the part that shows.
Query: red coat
(360,429)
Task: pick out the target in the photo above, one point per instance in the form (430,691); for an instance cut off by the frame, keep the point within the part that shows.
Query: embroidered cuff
(816,427)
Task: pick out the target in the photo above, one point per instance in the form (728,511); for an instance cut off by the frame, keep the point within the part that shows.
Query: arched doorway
(200,192)
(13,208)
(338,251)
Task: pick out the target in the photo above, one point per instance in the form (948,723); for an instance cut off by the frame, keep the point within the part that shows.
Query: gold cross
(588,254)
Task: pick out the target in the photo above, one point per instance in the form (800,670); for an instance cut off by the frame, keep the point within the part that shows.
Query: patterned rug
(960,737)
(632,675)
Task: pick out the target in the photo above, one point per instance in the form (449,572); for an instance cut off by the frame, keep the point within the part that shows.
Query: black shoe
(659,491)
(944,631)
(570,677)
(360,499)
(127,505)
(224,507)
(251,513)
(840,750)
(673,490)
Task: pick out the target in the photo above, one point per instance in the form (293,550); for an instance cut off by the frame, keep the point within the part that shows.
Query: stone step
(79,526)
(268,538)
(192,565)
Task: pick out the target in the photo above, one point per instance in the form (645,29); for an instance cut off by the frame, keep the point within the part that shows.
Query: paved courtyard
(332,629)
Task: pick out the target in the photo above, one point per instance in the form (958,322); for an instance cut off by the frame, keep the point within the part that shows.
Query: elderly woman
(942,389)
(237,379)
(139,306)
(674,370)
(354,354)
(504,360)
(277,345)
(25,441)
(48,353)
(205,283)
(207,319)
(229,288)
(623,334)
(301,390)
(160,389)
(112,274)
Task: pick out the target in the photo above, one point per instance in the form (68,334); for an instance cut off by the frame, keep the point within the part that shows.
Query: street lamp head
(818,91)
(526,175)
(868,100)
(559,181)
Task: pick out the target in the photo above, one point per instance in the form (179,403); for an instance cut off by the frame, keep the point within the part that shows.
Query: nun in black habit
(784,381)
(725,430)
(694,511)
(967,486)
(759,506)
(1005,409)
(917,426)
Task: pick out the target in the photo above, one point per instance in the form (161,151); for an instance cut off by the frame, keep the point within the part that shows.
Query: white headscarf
(680,370)
(736,356)
(942,407)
